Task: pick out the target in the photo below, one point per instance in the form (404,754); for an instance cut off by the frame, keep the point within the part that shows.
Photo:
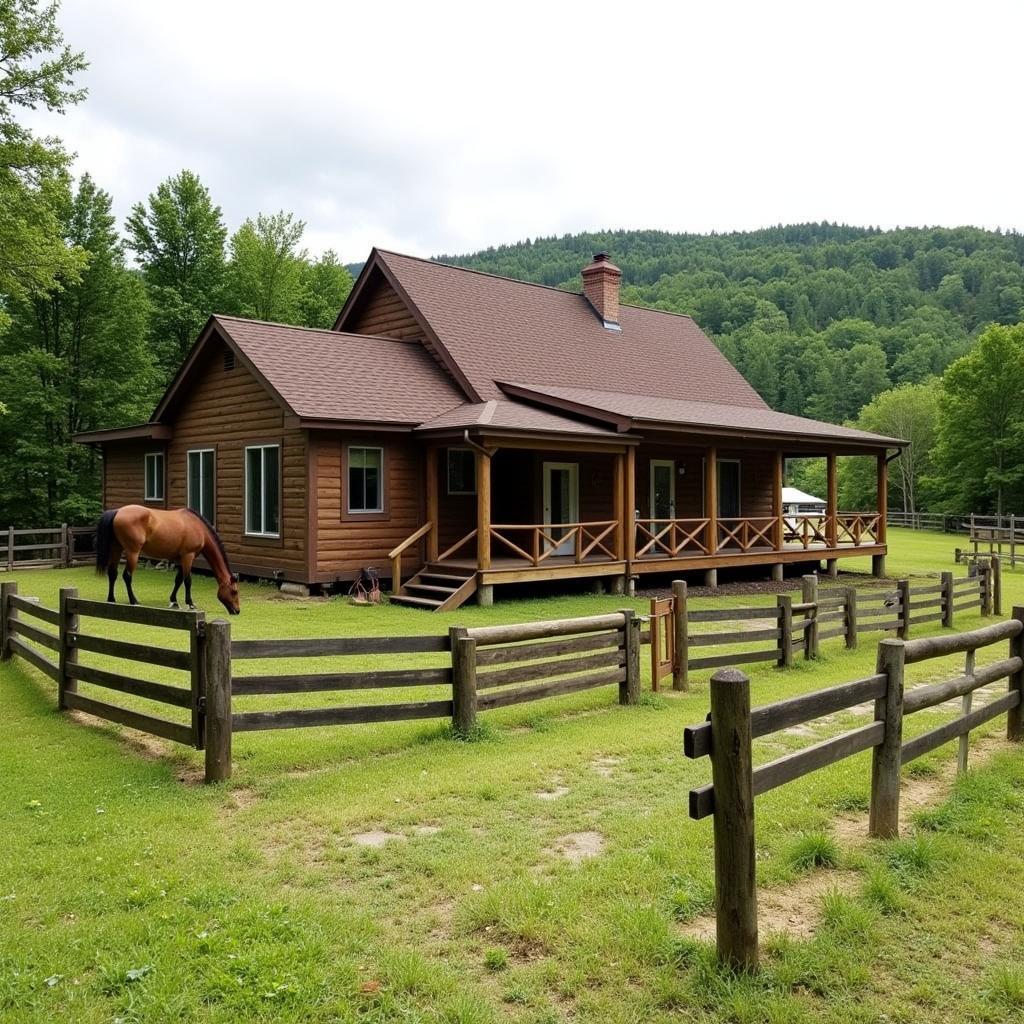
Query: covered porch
(515,510)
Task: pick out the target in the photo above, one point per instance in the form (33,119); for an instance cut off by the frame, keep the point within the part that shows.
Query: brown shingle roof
(328,375)
(627,409)
(495,328)
(503,414)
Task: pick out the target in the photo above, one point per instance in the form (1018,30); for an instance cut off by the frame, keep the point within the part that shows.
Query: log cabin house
(461,431)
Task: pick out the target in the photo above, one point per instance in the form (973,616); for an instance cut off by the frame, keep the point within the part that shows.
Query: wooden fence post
(947,600)
(903,592)
(10,548)
(6,612)
(1015,716)
(65,559)
(464,696)
(785,606)
(995,585)
(850,604)
(732,777)
(197,680)
(629,688)
(809,587)
(68,651)
(884,813)
(217,710)
(680,668)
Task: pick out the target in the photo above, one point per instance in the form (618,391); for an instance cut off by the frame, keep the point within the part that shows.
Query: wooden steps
(437,590)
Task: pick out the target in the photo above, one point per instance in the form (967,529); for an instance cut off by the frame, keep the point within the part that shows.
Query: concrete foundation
(485,595)
(295,589)
(832,567)
(617,585)
(631,586)
(711,578)
(878,565)
(778,572)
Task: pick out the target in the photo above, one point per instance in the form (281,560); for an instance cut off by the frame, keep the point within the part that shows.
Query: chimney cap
(602,261)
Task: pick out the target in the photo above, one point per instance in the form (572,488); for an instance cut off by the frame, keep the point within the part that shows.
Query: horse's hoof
(192,608)
(110,600)
(173,604)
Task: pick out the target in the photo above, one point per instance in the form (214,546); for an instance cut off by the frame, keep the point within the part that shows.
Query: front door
(561,503)
(663,489)
(728,488)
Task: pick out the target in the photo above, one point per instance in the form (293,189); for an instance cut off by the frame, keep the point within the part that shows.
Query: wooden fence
(60,546)
(728,735)
(487,667)
(789,628)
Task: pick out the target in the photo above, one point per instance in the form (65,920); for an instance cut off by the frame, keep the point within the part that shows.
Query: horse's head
(227,594)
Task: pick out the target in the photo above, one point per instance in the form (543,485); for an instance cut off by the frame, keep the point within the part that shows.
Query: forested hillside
(820,318)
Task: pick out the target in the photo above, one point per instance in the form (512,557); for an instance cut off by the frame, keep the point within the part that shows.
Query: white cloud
(450,126)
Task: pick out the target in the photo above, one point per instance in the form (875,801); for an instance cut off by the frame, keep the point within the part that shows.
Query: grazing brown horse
(178,536)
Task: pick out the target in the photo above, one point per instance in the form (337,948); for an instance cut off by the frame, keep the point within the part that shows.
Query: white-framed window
(201,485)
(365,480)
(263,490)
(154,476)
(461,471)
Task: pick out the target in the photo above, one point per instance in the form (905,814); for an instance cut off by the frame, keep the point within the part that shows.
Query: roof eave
(135,432)
(831,440)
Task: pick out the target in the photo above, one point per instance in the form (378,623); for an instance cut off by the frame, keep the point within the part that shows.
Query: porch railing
(539,542)
(746,532)
(670,537)
(806,530)
(857,528)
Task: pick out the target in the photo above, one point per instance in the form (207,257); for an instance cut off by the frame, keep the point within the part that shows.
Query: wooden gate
(663,639)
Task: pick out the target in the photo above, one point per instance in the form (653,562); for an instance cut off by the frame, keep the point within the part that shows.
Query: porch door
(561,503)
(728,488)
(663,489)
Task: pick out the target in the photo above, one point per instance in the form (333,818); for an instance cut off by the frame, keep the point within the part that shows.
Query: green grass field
(545,872)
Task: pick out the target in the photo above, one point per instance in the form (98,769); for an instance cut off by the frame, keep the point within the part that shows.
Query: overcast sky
(441,127)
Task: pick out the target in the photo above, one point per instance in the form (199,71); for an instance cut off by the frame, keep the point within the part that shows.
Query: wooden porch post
(483,510)
(778,532)
(618,507)
(432,484)
(629,505)
(711,498)
(883,495)
(878,561)
(832,505)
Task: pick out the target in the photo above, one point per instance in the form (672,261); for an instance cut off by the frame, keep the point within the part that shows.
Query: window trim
(161,476)
(262,447)
(448,471)
(364,514)
(188,481)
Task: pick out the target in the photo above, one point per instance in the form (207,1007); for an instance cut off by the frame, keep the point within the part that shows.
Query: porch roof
(505,414)
(627,411)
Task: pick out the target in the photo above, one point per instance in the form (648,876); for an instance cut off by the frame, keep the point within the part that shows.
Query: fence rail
(60,546)
(728,735)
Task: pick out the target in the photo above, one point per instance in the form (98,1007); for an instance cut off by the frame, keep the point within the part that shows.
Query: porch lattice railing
(670,537)
(542,541)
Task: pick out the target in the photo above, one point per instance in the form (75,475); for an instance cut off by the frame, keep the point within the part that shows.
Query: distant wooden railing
(47,547)
(746,532)
(670,537)
(546,540)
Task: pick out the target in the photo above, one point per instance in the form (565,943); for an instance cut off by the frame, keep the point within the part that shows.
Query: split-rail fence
(727,739)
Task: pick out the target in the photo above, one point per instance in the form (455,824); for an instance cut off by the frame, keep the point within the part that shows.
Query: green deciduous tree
(36,71)
(265,271)
(178,236)
(327,286)
(979,454)
(75,359)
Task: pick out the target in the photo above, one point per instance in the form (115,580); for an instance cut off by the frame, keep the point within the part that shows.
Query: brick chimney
(601,280)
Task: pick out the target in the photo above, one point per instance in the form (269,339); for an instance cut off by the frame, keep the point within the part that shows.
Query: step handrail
(396,554)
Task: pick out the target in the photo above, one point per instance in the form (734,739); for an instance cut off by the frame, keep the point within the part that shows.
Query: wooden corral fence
(732,726)
(937,521)
(680,635)
(53,547)
(999,536)
(483,668)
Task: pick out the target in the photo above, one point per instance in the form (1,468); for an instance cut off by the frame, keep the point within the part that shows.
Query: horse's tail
(104,539)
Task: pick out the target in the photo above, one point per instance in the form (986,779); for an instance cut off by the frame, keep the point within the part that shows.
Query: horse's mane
(216,537)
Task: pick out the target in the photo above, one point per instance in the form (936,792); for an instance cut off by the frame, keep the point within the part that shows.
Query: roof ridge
(517,280)
(300,327)
(547,388)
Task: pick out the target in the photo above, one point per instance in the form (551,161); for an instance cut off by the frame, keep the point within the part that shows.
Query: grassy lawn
(546,872)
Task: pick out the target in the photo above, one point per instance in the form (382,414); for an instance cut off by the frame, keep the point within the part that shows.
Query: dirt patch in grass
(579,846)
(554,793)
(375,838)
(794,910)
(605,766)
(240,799)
